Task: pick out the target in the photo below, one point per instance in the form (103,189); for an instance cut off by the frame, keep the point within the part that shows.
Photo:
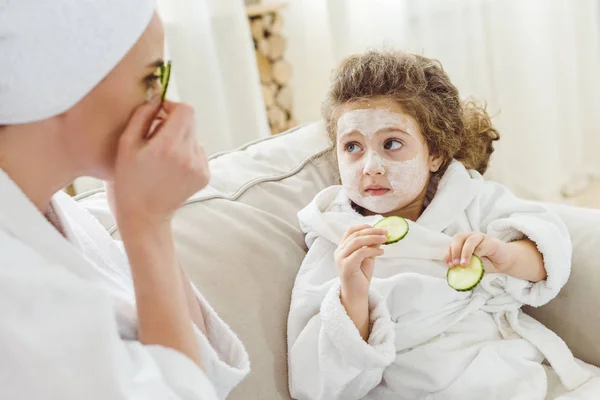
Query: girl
(381,322)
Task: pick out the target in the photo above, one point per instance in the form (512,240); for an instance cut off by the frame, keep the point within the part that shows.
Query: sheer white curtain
(214,70)
(536,62)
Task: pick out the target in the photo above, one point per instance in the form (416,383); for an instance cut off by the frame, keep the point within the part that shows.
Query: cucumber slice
(165,75)
(464,279)
(397,228)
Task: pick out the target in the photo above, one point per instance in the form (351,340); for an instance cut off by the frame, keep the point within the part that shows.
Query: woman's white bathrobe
(68,322)
(428,341)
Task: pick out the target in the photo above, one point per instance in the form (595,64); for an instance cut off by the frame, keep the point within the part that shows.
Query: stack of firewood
(266,24)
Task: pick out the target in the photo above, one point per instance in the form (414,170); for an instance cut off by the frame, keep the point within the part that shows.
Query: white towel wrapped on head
(52,53)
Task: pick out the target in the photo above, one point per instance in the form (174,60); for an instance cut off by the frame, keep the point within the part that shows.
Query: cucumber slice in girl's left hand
(397,228)
(466,278)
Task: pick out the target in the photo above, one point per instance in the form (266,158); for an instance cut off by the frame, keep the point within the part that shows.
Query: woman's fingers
(139,124)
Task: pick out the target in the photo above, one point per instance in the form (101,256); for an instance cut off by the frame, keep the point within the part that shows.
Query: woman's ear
(435,162)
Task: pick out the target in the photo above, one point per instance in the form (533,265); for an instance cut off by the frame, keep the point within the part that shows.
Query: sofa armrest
(573,314)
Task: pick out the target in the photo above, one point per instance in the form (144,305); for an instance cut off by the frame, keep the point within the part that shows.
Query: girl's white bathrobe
(68,321)
(428,341)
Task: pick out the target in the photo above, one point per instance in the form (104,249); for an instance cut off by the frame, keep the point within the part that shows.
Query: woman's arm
(153,177)
(162,299)
(190,294)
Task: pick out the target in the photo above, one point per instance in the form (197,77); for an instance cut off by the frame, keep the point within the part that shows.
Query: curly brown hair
(453,129)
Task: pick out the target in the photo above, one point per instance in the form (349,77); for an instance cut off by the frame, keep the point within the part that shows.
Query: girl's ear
(435,162)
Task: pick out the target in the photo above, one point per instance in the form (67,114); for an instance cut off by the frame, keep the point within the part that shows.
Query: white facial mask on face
(406,179)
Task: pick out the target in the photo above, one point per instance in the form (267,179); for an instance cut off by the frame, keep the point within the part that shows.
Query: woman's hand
(155,175)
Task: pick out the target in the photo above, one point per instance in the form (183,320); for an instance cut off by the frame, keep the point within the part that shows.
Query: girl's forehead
(384,103)
(376,115)
(371,109)
(369,121)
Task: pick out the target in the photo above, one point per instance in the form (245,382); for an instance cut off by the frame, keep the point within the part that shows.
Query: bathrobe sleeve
(59,339)
(328,359)
(225,359)
(500,214)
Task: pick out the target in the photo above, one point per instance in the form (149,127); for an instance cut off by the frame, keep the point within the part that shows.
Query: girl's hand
(495,254)
(355,259)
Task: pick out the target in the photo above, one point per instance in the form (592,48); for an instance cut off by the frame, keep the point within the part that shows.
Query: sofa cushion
(240,242)
(573,314)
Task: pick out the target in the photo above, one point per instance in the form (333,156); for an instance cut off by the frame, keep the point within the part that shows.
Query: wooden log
(276,47)
(71,190)
(257,28)
(282,72)
(268,93)
(276,25)
(263,47)
(277,119)
(284,98)
(264,68)
(268,19)
(291,123)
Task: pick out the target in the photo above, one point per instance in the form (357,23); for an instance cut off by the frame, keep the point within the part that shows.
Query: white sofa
(240,242)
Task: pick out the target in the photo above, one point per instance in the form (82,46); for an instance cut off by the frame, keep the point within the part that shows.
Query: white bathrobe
(428,341)
(68,322)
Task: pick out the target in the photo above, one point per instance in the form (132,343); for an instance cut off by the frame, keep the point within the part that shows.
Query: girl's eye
(352,148)
(392,144)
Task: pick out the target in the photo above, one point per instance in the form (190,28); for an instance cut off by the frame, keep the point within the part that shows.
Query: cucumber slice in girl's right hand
(397,228)
(464,279)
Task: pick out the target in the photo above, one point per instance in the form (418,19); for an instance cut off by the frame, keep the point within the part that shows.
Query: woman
(81,319)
